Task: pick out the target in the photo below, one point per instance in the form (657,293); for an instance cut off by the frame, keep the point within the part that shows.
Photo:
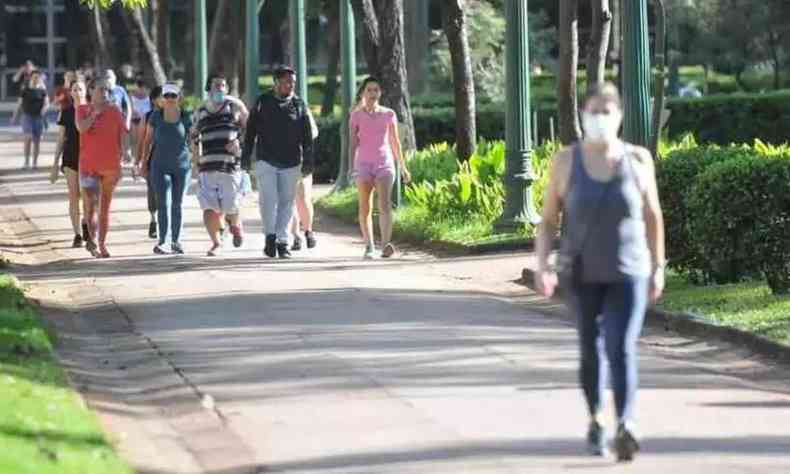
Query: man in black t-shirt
(33,103)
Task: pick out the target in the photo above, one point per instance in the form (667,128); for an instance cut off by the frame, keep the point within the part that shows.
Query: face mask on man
(218,96)
(600,127)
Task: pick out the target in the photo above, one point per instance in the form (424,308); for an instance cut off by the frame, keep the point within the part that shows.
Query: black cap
(283,70)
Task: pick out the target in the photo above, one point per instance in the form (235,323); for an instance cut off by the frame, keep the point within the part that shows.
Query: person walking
(102,129)
(157,103)
(62,97)
(170,167)
(280,127)
(67,158)
(611,259)
(304,211)
(374,147)
(33,104)
(120,98)
(216,132)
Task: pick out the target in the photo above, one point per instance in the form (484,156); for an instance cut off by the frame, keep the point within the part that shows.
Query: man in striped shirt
(218,128)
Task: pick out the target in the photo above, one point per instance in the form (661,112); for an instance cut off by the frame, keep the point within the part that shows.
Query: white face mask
(600,127)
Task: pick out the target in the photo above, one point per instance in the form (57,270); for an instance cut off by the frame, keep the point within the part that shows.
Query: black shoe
(86,234)
(176,248)
(309,237)
(77,242)
(596,439)
(152,230)
(270,250)
(297,245)
(238,235)
(625,444)
(282,251)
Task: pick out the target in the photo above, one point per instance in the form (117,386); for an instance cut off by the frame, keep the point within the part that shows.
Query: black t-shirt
(33,101)
(71,143)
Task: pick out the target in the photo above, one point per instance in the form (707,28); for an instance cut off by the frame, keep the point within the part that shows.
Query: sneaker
(388,251)
(77,242)
(596,439)
(159,249)
(309,237)
(90,246)
(625,444)
(297,245)
(282,251)
(369,252)
(152,230)
(215,250)
(270,250)
(238,236)
(177,248)
(86,235)
(221,234)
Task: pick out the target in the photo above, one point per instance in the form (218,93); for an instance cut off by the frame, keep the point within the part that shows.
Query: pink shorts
(372,171)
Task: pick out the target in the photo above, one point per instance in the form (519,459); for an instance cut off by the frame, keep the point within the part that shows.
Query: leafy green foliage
(741,216)
(109,3)
(737,118)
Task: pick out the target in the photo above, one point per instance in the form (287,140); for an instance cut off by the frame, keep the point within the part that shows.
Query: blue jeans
(277,191)
(610,318)
(170,185)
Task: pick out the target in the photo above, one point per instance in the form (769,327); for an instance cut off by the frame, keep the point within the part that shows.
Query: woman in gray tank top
(611,257)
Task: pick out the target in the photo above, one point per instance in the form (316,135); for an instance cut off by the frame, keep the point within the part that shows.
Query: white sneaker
(369,252)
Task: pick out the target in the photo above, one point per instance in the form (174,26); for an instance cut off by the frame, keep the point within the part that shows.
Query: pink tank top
(373,135)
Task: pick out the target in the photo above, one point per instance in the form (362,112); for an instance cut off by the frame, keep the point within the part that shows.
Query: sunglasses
(170,96)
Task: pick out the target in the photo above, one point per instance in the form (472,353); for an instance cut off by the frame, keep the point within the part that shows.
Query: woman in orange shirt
(102,128)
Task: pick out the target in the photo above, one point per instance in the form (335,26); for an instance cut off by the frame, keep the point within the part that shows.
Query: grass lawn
(44,426)
(749,306)
(416,225)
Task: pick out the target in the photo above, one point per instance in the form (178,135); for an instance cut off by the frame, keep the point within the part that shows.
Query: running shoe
(369,252)
(270,250)
(215,250)
(309,237)
(388,251)
(282,251)
(596,439)
(176,248)
(160,250)
(297,245)
(152,230)
(238,235)
(625,444)
(77,242)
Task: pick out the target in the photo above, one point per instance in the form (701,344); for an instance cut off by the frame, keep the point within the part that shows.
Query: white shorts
(220,192)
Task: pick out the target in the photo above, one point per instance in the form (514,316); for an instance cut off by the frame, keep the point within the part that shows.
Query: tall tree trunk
(216,38)
(285,40)
(162,21)
(330,88)
(189,57)
(392,67)
(363,9)
(463,81)
(616,55)
(101,53)
(135,50)
(567,102)
(72,24)
(150,47)
(599,42)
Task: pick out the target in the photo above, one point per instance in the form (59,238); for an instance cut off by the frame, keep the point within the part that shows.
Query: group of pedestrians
(611,260)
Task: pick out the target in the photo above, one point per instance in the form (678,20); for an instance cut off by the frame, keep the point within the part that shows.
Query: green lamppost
(201,63)
(636,73)
(251,61)
(297,16)
(348,86)
(518,206)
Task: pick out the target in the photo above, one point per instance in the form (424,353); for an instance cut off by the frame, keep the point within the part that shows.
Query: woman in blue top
(612,256)
(167,131)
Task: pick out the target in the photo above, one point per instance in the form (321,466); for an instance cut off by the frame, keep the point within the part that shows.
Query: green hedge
(736,118)
(741,217)
(727,213)
(676,175)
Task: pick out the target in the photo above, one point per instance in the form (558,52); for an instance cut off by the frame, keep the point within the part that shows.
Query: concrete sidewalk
(331,364)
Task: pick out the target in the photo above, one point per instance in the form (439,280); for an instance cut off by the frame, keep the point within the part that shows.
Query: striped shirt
(215,130)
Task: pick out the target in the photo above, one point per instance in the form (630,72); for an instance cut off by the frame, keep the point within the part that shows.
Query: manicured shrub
(740,212)
(676,175)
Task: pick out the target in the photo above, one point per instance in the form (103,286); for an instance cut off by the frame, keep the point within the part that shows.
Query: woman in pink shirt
(375,145)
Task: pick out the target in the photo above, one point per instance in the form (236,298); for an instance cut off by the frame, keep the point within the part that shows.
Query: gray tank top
(607,231)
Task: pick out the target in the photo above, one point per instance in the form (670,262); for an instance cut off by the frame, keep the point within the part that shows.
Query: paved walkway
(330,364)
